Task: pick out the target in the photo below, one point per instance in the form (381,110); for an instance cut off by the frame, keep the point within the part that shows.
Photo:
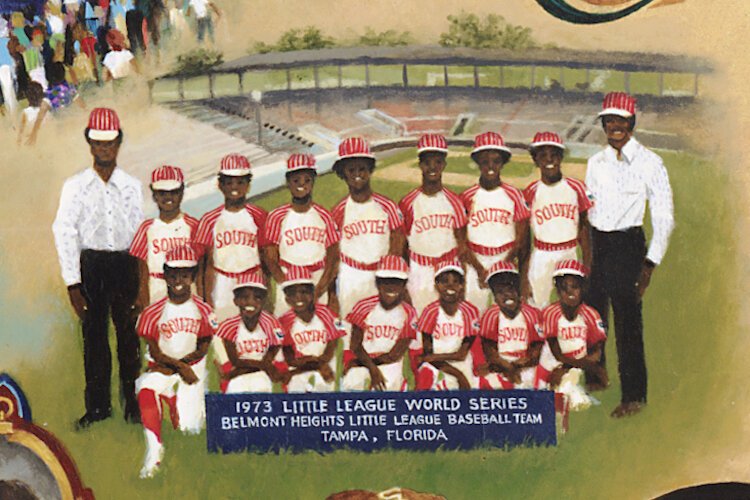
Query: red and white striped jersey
(574,337)
(310,339)
(429,221)
(492,216)
(366,227)
(234,237)
(155,238)
(513,336)
(448,332)
(382,328)
(302,238)
(556,209)
(254,344)
(177,327)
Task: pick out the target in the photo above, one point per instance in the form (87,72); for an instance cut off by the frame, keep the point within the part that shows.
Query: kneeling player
(178,330)
(382,328)
(511,337)
(251,339)
(448,327)
(311,335)
(575,334)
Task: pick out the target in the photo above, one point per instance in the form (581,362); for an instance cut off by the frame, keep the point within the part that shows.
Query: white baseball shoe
(154,455)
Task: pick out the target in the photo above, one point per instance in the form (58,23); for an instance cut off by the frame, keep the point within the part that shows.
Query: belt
(424,260)
(490,251)
(311,267)
(236,275)
(357,264)
(633,231)
(552,247)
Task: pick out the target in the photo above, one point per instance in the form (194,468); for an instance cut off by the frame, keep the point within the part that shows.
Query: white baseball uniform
(251,345)
(491,231)
(429,223)
(153,240)
(514,337)
(311,339)
(448,333)
(381,330)
(555,216)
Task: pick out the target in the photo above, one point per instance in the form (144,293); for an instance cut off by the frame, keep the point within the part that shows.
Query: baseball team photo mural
(337,250)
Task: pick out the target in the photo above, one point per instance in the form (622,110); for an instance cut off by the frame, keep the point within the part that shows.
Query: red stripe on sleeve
(139,247)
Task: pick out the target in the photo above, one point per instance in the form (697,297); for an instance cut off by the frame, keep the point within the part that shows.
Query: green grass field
(690,325)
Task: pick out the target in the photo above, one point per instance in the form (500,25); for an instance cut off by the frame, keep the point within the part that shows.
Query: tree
(492,32)
(309,38)
(198,61)
(389,38)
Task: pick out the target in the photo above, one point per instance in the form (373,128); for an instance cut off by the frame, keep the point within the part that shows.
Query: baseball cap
(181,256)
(570,266)
(104,124)
(392,266)
(618,103)
(353,147)
(167,178)
(501,267)
(432,142)
(490,140)
(235,165)
(297,275)
(448,265)
(300,161)
(546,139)
(252,279)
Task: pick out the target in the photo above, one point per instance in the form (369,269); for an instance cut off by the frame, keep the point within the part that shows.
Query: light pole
(257,96)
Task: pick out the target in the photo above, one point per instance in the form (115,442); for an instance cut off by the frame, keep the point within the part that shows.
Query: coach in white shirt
(100,210)
(622,178)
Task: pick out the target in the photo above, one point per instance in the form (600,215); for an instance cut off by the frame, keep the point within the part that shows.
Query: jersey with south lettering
(448,332)
(302,238)
(492,217)
(382,328)
(366,227)
(235,238)
(430,221)
(177,327)
(252,345)
(311,339)
(155,238)
(514,336)
(577,336)
(556,209)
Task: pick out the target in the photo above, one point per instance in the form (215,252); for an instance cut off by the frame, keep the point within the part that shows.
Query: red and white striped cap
(354,147)
(392,266)
(432,142)
(300,161)
(235,165)
(252,279)
(618,103)
(182,256)
(490,140)
(104,125)
(448,265)
(297,275)
(547,139)
(570,266)
(167,178)
(501,267)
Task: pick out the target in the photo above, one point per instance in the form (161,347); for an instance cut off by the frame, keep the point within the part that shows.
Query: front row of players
(512,345)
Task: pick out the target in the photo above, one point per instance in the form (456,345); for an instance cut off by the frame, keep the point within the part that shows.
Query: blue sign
(376,420)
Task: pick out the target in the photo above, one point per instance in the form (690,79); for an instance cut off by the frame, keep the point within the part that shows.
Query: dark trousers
(134,23)
(617,261)
(110,285)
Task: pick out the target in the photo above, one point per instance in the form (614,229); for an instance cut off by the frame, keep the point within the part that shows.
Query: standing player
(311,335)
(252,339)
(383,326)
(448,327)
(558,206)
(177,330)
(498,225)
(510,333)
(155,237)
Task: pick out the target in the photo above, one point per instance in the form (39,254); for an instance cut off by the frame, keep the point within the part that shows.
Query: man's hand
(525,289)
(78,301)
(556,376)
(513,374)
(187,374)
(377,380)
(326,372)
(482,274)
(644,279)
(333,303)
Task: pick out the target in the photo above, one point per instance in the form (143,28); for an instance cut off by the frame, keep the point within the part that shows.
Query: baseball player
(558,206)
(498,225)
(252,339)
(155,237)
(510,333)
(448,327)
(311,333)
(383,326)
(177,330)
(302,233)
(575,334)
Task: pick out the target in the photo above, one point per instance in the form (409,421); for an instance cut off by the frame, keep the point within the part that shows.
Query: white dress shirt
(621,188)
(94,215)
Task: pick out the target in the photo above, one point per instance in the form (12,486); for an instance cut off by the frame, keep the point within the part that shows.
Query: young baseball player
(575,334)
(252,339)
(311,335)
(448,327)
(155,237)
(498,218)
(558,206)
(510,333)
(177,330)
(302,233)
(383,326)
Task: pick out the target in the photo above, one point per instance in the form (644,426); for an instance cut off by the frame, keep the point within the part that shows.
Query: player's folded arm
(491,354)
(396,353)
(243,365)
(200,351)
